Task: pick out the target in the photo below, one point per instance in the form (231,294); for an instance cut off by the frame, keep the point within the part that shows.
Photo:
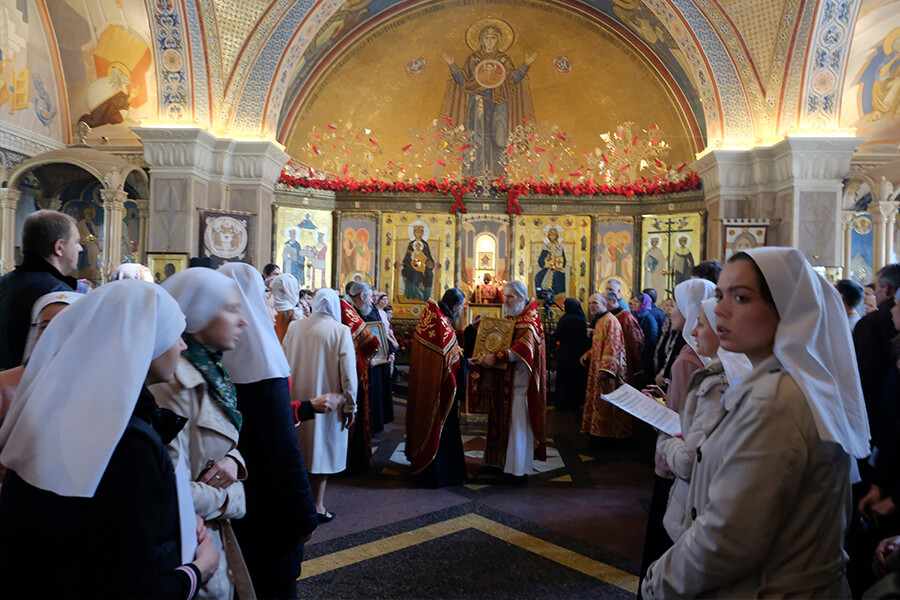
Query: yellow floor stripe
(558,554)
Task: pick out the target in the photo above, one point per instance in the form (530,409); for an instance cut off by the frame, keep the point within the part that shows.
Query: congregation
(181,435)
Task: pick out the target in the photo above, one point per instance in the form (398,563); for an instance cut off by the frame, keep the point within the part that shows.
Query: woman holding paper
(770,488)
(688,296)
(700,411)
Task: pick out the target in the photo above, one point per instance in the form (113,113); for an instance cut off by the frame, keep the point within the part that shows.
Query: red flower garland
(641,187)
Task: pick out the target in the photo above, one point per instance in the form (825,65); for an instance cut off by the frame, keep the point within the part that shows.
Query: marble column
(847,228)
(797,184)
(884,216)
(9,200)
(144,222)
(113,210)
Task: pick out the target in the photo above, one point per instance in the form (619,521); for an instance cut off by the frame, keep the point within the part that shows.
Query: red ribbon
(458,205)
(512,206)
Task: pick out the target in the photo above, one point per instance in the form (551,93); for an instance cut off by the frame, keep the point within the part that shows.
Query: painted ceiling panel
(757,23)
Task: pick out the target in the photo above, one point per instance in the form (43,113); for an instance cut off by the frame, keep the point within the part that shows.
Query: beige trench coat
(207,437)
(769,502)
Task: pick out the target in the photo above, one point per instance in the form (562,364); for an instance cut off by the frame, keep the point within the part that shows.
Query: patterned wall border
(827,62)
(789,113)
(167,27)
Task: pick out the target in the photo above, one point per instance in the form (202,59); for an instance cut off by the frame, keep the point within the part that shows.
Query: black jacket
(872,339)
(124,542)
(19,290)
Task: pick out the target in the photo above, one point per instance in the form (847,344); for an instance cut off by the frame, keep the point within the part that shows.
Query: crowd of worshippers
(174,440)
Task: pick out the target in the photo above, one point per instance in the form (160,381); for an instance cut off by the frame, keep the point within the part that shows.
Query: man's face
(883,291)
(613,291)
(71,249)
(595,302)
(512,303)
(363,302)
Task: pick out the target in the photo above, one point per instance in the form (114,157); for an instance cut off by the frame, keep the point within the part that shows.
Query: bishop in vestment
(518,397)
(486,293)
(365,345)
(633,336)
(607,372)
(433,441)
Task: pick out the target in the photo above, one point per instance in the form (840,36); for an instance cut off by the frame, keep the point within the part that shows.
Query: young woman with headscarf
(281,512)
(770,489)
(285,300)
(701,409)
(688,296)
(320,352)
(571,375)
(203,392)
(90,489)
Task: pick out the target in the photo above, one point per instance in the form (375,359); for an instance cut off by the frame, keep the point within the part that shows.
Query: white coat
(769,502)
(320,352)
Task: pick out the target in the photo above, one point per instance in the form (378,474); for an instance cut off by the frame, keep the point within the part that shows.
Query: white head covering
(327,301)
(39,305)
(736,365)
(69,413)
(201,293)
(813,344)
(131,271)
(258,354)
(688,296)
(285,292)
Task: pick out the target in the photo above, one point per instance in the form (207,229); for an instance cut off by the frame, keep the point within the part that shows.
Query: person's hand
(654,391)
(884,508)
(222,474)
(391,359)
(531,58)
(348,420)
(447,58)
(206,557)
(201,527)
(475,321)
(590,332)
(488,360)
(884,552)
(327,402)
(873,497)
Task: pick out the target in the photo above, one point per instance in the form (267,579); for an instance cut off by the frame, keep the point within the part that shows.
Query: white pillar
(144,222)
(847,224)
(884,215)
(113,209)
(9,200)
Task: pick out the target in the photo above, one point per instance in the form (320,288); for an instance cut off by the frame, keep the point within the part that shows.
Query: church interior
(621,139)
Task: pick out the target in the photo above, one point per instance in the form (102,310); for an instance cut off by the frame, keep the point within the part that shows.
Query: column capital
(886,210)
(847,217)
(113,199)
(9,198)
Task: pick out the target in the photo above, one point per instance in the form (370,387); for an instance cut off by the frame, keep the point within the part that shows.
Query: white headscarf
(131,271)
(82,383)
(201,293)
(688,296)
(813,344)
(736,365)
(327,301)
(285,292)
(258,354)
(39,305)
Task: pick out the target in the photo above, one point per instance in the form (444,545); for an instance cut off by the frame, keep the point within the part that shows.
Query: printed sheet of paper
(646,409)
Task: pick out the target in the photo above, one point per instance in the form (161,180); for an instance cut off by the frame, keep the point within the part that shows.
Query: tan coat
(207,437)
(769,502)
(320,352)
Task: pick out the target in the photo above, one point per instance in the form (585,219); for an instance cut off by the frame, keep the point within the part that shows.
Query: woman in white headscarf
(770,489)
(281,513)
(688,296)
(88,470)
(701,409)
(320,352)
(203,392)
(285,298)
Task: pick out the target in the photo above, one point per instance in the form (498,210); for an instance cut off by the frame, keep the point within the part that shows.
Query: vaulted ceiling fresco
(738,72)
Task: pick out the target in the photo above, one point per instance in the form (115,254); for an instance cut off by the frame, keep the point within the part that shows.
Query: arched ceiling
(746,71)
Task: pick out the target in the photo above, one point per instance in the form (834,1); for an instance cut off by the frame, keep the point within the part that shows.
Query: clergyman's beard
(515,311)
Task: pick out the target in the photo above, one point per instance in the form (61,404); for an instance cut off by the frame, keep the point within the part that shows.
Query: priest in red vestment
(607,372)
(518,395)
(433,440)
(633,336)
(487,292)
(365,343)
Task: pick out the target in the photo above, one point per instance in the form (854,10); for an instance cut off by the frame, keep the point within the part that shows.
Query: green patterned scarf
(220,386)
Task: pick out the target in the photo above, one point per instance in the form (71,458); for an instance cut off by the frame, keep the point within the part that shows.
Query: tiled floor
(574,531)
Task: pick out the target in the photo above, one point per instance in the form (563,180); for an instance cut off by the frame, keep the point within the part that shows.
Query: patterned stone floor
(574,531)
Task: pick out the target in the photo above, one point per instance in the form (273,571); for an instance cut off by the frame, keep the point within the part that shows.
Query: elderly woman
(203,392)
(281,513)
(285,300)
(770,488)
(88,469)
